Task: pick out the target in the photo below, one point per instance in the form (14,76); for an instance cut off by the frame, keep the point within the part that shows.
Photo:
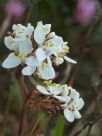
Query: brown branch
(34,126)
(23,120)
(4,27)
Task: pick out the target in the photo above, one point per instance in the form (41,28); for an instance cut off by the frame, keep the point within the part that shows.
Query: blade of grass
(59,128)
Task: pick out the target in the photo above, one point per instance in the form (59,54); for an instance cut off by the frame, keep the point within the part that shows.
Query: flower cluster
(38,50)
(70,99)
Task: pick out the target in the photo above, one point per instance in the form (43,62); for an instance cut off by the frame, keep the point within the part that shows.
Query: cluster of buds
(38,51)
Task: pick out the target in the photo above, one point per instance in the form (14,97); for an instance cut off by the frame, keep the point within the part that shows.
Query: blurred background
(80,23)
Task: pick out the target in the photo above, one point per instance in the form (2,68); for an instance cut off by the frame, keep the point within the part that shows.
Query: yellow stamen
(48,44)
(22,56)
(44,65)
(56,85)
(66,49)
(47,82)
(58,54)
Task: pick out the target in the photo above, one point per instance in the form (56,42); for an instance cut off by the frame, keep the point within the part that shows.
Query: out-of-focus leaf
(59,128)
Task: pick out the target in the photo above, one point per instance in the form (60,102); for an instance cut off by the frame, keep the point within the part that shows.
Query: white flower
(23,31)
(72,107)
(54,90)
(41,31)
(21,46)
(48,48)
(48,42)
(45,70)
(71,111)
(60,54)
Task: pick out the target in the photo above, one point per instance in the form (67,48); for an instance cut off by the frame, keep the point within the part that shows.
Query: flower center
(22,56)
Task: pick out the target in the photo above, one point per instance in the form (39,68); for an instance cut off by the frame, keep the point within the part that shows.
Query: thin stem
(89,130)
(23,120)
(34,126)
(4,27)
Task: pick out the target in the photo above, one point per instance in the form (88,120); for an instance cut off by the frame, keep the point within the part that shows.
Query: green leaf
(59,128)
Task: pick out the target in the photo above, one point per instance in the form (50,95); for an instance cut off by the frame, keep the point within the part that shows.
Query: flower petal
(40,54)
(54,90)
(42,90)
(80,103)
(63,98)
(68,115)
(11,61)
(31,61)
(47,28)
(59,61)
(11,43)
(53,44)
(73,93)
(70,60)
(46,71)
(51,35)
(25,45)
(28,70)
(19,30)
(30,30)
(39,34)
(77,115)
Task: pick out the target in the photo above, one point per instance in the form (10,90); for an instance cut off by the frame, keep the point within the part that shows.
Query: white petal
(65,90)
(11,43)
(69,115)
(74,94)
(70,60)
(47,28)
(77,115)
(25,45)
(11,61)
(39,34)
(54,90)
(40,54)
(46,72)
(80,103)
(14,27)
(20,30)
(54,43)
(30,30)
(51,35)
(42,90)
(28,70)
(59,61)
(57,41)
(31,61)
(63,98)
